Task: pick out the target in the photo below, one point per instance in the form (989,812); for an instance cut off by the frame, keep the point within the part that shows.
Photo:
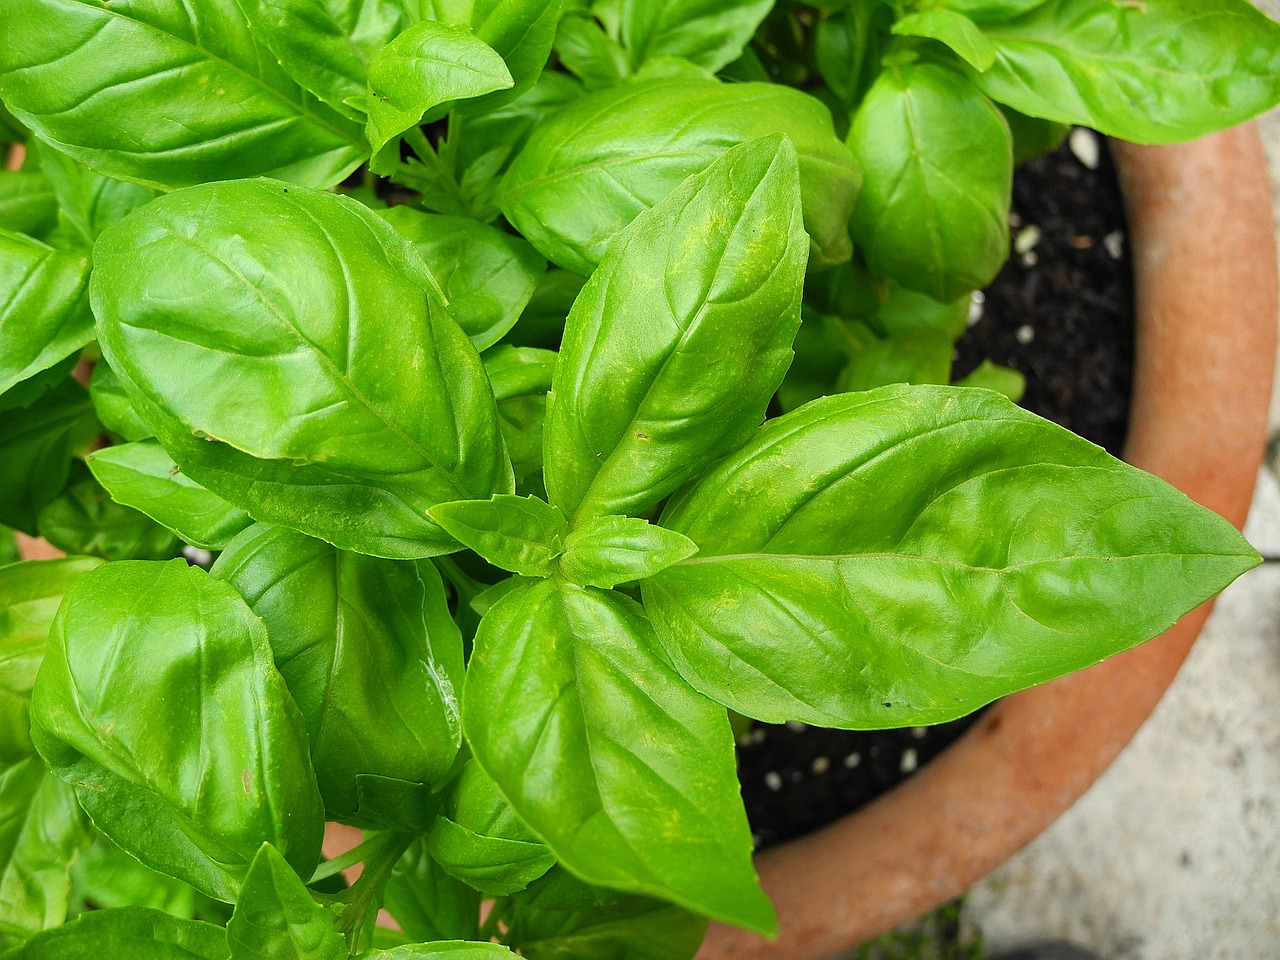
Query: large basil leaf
(44,307)
(487,275)
(326,46)
(953,29)
(605,752)
(29,596)
(197,98)
(934,208)
(427,903)
(140,647)
(128,933)
(41,827)
(832,590)
(1152,72)
(143,476)
(27,202)
(85,520)
(89,202)
(596,164)
(710,33)
(369,653)
(37,446)
(312,378)
(277,917)
(677,342)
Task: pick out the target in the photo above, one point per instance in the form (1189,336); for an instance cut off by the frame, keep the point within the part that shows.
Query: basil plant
(531,385)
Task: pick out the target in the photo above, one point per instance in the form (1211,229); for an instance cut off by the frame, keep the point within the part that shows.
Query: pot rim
(1201,227)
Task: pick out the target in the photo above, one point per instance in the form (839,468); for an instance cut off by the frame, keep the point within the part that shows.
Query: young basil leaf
(143,476)
(197,98)
(710,34)
(595,165)
(312,378)
(521,379)
(590,54)
(677,342)
(1032,136)
(920,356)
(368,651)
(427,903)
(934,208)
(37,446)
(607,551)
(44,307)
(520,534)
(429,64)
(903,604)
(129,933)
(953,29)
(848,45)
(1114,67)
(41,828)
(482,842)
(636,789)
(326,46)
(84,519)
(27,203)
(387,803)
(992,376)
(139,647)
(112,405)
(904,312)
(33,388)
(29,596)
(487,275)
(445,950)
(991,11)
(89,202)
(276,916)
(105,877)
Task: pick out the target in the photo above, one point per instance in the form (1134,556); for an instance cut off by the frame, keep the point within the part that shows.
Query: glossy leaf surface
(445,950)
(139,647)
(826,592)
(143,476)
(89,202)
(988,11)
(631,783)
(128,933)
(953,29)
(487,274)
(521,534)
(676,344)
(312,378)
(710,33)
(595,165)
(44,307)
(1153,72)
(607,551)
(368,650)
(933,213)
(276,917)
(427,903)
(197,98)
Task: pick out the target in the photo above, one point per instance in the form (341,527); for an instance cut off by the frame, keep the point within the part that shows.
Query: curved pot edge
(1205,259)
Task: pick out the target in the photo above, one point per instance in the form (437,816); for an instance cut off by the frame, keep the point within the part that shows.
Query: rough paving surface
(1175,853)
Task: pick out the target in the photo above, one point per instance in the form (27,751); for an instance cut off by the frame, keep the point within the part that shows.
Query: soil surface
(1061,312)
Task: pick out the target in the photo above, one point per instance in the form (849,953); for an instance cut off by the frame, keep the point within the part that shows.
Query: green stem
(365,895)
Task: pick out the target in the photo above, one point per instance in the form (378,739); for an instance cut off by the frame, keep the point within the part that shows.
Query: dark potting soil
(1060,312)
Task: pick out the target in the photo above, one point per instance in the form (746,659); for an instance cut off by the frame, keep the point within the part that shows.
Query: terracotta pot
(1205,265)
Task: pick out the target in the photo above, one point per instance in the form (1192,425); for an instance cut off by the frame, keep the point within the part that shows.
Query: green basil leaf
(27,203)
(143,476)
(368,651)
(197,98)
(953,29)
(593,166)
(1152,72)
(487,275)
(326,47)
(8,547)
(992,376)
(602,791)
(607,551)
(427,903)
(112,405)
(33,388)
(89,202)
(934,208)
(482,842)
(921,356)
(710,33)
(445,950)
(29,596)
(1013,556)
(521,379)
(276,917)
(44,309)
(313,379)
(521,534)
(590,54)
(848,46)
(387,803)
(1032,136)
(678,341)
(428,65)
(37,446)
(41,828)
(84,519)
(989,11)
(105,877)
(130,933)
(906,312)
(139,647)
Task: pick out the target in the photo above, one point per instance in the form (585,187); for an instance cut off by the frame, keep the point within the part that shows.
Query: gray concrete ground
(1175,853)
